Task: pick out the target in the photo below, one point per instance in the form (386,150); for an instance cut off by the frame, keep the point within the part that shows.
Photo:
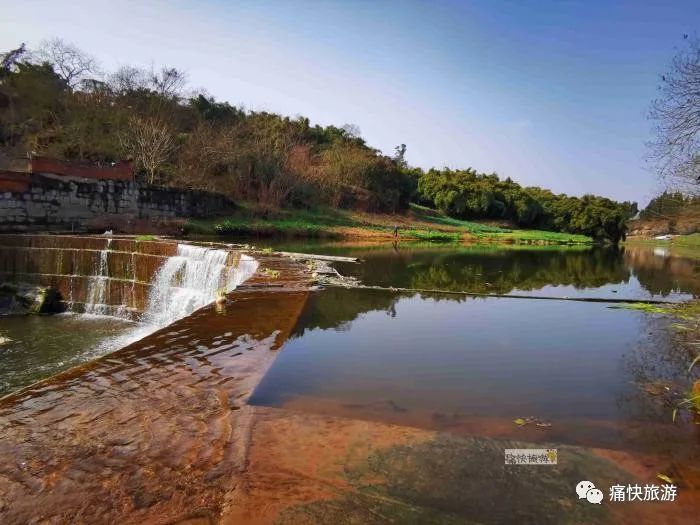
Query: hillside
(285,166)
(669,213)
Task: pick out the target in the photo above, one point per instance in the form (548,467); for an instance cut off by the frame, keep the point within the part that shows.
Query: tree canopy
(57,102)
(466,194)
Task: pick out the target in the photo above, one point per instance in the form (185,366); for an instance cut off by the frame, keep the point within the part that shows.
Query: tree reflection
(490,270)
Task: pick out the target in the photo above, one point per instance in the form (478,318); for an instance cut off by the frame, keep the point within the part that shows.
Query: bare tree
(128,78)
(70,63)
(676,149)
(208,152)
(149,142)
(352,131)
(168,82)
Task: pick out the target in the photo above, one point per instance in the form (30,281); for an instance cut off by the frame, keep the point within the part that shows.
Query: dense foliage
(668,204)
(55,102)
(467,194)
(188,140)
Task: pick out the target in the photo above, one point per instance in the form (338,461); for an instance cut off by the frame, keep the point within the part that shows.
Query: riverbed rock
(19,299)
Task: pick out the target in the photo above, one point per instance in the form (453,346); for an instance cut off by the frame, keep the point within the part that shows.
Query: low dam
(122,288)
(172,398)
(124,277)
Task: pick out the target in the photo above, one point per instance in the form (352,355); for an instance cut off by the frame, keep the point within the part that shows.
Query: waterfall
(98,287)
(190,280)
(184,282)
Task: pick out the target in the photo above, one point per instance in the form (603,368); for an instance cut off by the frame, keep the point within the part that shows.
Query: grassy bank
(681,245)
(417,224)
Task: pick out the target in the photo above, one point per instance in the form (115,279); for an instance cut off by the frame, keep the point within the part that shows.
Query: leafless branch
(675,151)
(69,62)
(149,142)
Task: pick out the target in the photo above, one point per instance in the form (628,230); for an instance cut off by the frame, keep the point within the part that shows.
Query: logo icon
(583,487)
(587,490)
(594,496)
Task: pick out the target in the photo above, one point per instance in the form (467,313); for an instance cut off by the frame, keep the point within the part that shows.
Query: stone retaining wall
(60,204)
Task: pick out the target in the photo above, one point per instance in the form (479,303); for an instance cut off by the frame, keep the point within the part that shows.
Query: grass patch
(432,236)
(534,236)
(294,223)
(686,241)
(145,237)
(418,223)
(436,217)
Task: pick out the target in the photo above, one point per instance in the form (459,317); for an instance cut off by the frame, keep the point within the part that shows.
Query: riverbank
(681,245)
(417,224)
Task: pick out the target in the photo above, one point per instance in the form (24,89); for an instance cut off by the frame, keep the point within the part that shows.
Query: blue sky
(548,93)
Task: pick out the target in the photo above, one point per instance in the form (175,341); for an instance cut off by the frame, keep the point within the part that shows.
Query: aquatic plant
(268,272)
(643,307)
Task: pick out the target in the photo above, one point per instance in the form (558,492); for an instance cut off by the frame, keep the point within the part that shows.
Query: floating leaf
(674,414)
(664,477)
(532,419)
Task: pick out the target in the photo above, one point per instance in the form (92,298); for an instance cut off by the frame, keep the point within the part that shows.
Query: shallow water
(37,346)
(473,365)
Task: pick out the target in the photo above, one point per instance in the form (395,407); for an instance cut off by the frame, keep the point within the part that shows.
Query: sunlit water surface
(474,365)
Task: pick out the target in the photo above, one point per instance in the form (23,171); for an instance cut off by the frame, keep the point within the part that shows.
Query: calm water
(476,364)
(574,272)
(449,361)
(38,346)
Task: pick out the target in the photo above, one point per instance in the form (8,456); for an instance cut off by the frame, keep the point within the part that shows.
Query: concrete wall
(61,204)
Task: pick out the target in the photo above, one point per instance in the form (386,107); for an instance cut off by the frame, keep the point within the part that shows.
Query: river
(392,384)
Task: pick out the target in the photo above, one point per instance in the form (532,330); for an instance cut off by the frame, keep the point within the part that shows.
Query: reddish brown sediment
(622,434)
(685,475)
(152,433)
(309,468)
(296,459)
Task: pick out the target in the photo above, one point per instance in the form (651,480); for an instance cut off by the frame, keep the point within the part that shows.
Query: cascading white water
(184,282)
(96,303)
(190,280)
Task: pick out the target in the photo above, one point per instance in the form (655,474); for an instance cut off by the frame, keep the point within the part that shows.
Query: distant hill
(669,213)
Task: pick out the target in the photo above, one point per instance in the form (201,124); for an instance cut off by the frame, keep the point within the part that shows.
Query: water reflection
(491,270)
(603,273)
(472,365)
(635,273)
